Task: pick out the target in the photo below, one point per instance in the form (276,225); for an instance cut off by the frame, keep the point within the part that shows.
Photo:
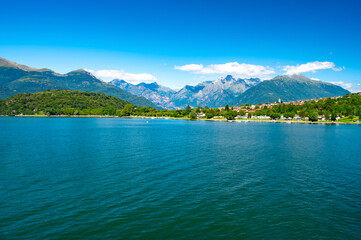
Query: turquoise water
(68,178)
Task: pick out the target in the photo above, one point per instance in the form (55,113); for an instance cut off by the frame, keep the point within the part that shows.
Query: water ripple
(125,178)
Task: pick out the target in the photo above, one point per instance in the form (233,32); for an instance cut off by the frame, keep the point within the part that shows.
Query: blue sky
(159,40)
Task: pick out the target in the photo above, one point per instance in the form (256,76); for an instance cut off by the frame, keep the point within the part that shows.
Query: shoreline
(183,118)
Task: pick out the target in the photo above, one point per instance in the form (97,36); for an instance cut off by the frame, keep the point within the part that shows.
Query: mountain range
(216,93)
(234,91)
(159,95)
(16,78)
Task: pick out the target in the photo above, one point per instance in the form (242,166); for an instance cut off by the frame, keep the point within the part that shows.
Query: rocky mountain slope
(210,93)
(159,95)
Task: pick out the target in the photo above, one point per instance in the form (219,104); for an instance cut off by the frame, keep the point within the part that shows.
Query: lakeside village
(249,111)
(336,109)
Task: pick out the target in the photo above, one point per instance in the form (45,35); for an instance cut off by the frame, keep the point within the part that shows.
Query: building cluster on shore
(248,110)
(253,108)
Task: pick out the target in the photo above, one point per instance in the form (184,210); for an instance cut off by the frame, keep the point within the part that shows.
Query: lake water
(100,178)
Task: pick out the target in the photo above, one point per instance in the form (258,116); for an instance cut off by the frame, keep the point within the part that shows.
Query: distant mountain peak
(7,63)
(228,77)
(300,77)
(118,81)
(154,86)
(81,70)
(45,70)
(293,76)
(194,89)
(148,84)
(225,79)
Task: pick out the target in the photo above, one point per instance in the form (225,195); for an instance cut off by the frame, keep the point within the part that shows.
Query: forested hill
(61,102)
(16,78)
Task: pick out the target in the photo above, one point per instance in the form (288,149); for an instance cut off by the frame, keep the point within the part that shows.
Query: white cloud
(310,67)
(316,79)
(134,78)
(234,68)
(190,67)
(347,86)
(338,69)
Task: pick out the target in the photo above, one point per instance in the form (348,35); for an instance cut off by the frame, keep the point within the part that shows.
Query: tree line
(66,102)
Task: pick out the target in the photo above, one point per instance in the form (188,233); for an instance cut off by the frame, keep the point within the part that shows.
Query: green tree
(193,115)
(327,115)
(333,116)
(230,115)
(209,115)
(108,111)
(302,114)
(188,110)
(289,114)
(128,109)
(175,114)
(226,108)
(313,116)
(274,115)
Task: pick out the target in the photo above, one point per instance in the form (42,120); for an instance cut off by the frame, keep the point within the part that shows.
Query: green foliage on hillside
(348,105)
(62,102)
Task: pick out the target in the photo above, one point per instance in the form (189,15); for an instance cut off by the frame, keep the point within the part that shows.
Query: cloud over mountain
(134,78)
(243,70)
(310,67)
(348,86)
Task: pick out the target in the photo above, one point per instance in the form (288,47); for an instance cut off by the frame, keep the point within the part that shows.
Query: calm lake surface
(99,178)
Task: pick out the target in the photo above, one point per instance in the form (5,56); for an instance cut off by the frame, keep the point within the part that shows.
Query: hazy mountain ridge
(232,91)
(16,78)
(159,95)
(209,93)
(213,93)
